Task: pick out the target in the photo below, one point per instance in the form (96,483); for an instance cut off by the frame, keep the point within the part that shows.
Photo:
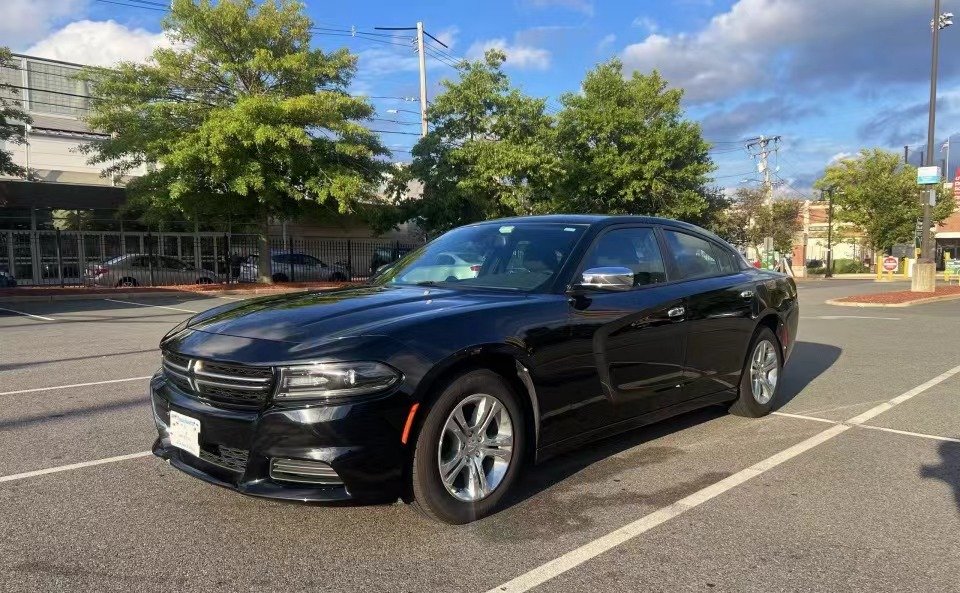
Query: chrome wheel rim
(764,372)
(476,448)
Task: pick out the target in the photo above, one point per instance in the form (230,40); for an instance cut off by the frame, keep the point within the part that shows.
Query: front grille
(229,458)
(229,385)
(304,472)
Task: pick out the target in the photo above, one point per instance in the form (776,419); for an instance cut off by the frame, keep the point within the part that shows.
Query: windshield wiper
(427,283)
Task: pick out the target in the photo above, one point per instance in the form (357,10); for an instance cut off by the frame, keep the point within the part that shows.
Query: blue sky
(828,76)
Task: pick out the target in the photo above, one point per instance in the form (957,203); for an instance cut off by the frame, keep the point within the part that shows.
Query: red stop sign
(890,264)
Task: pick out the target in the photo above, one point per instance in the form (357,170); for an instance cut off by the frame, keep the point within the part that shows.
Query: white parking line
(154,306)
(36,389)
(932,437)
(590,550)
(802,417)
(63,468)
(854,317)
(28,314)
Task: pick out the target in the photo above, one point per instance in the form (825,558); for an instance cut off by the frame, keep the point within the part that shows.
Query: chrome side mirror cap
(614,278)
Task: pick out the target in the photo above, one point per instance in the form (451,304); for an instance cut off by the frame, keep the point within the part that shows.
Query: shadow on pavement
(808,361)
(36,363)
(949,469)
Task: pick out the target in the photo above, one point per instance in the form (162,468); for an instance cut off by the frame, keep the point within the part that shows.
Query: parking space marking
(154,306)
(932,437)
(853,317)
(578,556)
(802,417)
(63,468)
(36,389)
(28,314)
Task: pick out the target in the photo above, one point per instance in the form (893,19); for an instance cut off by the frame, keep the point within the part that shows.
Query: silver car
(137,269)
(294,267)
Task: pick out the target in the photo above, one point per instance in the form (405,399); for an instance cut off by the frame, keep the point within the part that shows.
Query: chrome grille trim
(218,383)
(304,472)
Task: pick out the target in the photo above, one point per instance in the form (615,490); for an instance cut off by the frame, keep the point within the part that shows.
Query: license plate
(185,433)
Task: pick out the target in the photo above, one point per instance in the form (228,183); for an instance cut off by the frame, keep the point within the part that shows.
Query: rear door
(720,302)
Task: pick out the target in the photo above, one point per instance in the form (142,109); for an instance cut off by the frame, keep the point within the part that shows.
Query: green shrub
(849,266)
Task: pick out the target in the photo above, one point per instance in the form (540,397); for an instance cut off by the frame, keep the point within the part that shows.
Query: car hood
(328,315)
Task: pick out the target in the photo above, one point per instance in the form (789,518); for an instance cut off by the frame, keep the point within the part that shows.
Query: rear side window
(635,249)
(696,257)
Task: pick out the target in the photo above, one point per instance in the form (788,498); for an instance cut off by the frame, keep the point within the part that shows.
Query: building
(69,214)
(948,234)
(846,242)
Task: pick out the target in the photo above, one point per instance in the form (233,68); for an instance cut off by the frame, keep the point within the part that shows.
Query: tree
(240,117)
(488,152)
(750,220)
(878,193)
(626,149)
(13,119)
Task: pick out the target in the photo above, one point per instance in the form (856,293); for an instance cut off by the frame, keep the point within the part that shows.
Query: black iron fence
(99,258)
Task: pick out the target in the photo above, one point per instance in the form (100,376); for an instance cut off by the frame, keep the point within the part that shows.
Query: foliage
(240,117)
(619,147)
(626,148)
(750,220)
(849,266)
(877,192)
(13,120)
(487,154)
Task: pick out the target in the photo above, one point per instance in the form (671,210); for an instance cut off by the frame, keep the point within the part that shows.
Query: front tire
(469,450)
(761,376)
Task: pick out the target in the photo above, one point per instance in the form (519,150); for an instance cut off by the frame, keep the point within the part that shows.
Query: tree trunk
(263,261)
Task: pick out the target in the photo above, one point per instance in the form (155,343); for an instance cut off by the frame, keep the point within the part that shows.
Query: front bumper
(361,442)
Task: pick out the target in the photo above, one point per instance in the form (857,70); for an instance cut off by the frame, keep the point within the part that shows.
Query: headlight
(330,380)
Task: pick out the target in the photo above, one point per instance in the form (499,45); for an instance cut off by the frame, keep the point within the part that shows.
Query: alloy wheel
(476,447)
(764,372)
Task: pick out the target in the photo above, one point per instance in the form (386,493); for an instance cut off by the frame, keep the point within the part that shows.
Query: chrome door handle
(746,294)
(676,312)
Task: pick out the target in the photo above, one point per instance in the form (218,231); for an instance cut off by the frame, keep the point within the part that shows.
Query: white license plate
(185,433)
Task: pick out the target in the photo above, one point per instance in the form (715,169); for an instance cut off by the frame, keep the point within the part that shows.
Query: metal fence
(102,258)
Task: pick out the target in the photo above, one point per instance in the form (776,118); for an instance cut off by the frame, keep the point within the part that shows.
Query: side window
(635,249)
(172,264)
(281,258)
(727,260)
(695,257)
(138,261)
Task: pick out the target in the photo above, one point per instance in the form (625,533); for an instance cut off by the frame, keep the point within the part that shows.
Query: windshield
(502,256)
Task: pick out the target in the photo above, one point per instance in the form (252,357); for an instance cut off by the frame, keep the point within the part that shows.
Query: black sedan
(440,387)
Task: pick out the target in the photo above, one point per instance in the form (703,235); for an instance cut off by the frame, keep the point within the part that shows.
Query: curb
(158,294)
(934,299)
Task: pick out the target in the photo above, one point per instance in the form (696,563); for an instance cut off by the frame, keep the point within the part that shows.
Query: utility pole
(421,50)
(423,80)
(924,277)
(763,151)
(829,273)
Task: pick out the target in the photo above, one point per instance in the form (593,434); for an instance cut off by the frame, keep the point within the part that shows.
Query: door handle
(676,312)
(746,294)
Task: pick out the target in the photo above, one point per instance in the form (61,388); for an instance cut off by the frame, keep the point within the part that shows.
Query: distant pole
(926,254)
(829,273)
(423,79)
(906,154)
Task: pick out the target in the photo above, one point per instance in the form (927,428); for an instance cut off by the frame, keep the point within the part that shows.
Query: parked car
(6,279)
(137,269)
(448,266)
(385,255)
(441,391)
(294,267)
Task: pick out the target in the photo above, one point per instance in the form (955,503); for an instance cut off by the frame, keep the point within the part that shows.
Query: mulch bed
(901,296)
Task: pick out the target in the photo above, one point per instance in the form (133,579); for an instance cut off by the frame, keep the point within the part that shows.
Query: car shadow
(948,471)
(808,361)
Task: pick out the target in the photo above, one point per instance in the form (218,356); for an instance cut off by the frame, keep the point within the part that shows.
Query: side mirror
(615,278)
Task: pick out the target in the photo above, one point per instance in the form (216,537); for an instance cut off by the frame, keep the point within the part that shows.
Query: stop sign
(890,264)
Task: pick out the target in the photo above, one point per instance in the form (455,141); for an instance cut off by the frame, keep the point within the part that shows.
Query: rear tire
(761,375)
(338,277)
(127,282)
(280,278)
(475,490)
(204,280)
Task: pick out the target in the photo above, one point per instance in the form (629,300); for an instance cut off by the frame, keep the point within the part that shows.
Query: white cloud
(448,36)
(98,43)
(26,21)
(518,55)
(604,44)
(584,6)
(797,44)
(840,156)
(646,23)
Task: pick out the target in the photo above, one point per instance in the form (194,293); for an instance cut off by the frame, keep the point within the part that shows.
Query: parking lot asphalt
(839,490)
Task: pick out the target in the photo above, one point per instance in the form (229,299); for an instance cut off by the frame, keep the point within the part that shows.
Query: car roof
(599,220)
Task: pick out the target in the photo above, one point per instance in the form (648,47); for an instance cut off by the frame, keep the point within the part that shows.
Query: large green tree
(877,192)
(488,152)
(13,119)
(241,117)
(627,149)
(751,218)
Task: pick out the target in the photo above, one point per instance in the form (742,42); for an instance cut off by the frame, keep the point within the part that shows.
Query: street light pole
(924,277)
(829,273)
